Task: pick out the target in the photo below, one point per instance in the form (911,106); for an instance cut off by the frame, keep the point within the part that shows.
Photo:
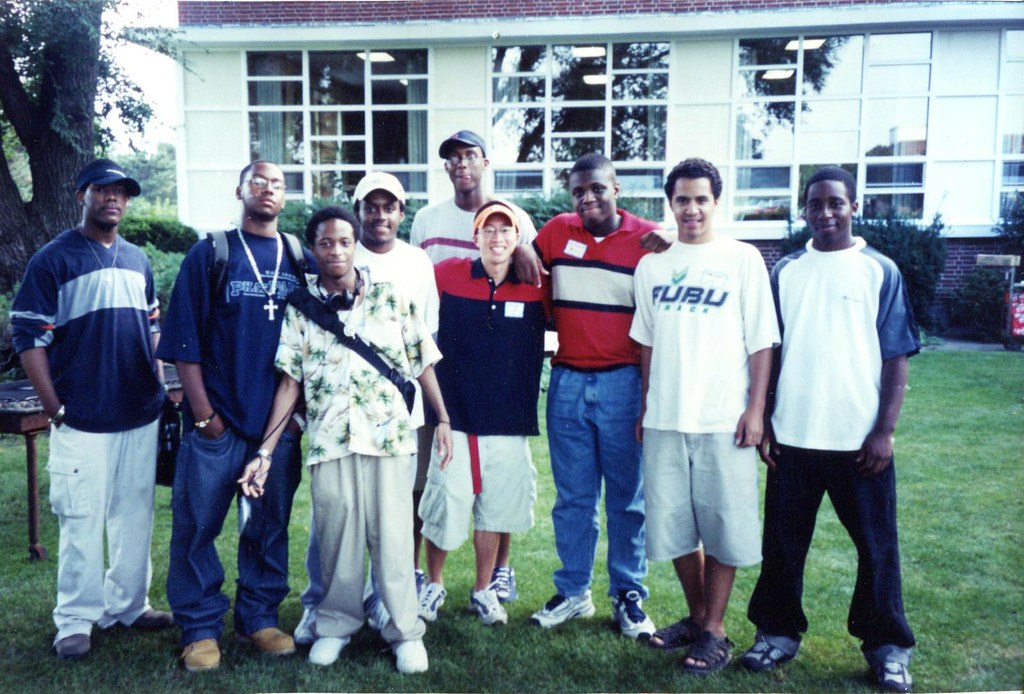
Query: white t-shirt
(703,309)
(445,230)
(843,313)
(409,270)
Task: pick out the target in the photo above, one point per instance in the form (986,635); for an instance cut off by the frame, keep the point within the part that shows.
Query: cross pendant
(270,307)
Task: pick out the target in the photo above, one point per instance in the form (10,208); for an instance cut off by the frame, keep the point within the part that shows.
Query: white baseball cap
(378,180)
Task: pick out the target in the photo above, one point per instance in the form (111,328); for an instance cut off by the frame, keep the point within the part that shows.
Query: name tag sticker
(514,309)
(575,248)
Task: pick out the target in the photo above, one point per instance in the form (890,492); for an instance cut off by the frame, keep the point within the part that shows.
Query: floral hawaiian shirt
(350,406)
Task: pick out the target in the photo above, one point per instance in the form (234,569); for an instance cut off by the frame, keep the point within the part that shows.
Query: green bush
(9,367)
(295,215)
(165,233)
(919,252)
(165,270)
(977,307)
(1011,225)
(543,208)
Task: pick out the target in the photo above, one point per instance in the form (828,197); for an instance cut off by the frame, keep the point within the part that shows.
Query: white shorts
(701,489)
(490,478)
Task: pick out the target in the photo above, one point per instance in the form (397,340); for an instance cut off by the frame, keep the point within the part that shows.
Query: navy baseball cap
(462,137)
(102,172)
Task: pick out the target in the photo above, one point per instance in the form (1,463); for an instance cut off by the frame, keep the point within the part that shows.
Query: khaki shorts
(701,489)
(502,502)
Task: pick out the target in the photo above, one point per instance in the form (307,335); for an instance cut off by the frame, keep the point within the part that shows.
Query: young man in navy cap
(445,230)
(85,325)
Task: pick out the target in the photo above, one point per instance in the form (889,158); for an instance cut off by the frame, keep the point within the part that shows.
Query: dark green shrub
(977,307)
(165,270)
(165,233)
(543,208)
(295,215)
(919,252)
(1011,225)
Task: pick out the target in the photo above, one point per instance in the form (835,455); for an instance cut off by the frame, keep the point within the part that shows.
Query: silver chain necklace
(270,306)
(113,264)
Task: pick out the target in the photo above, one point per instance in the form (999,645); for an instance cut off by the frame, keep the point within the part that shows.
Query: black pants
(867,509)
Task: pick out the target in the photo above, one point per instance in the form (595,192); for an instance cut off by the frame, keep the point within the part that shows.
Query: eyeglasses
(470,158)
(260,183)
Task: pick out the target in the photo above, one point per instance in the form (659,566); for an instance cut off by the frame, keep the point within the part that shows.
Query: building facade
(922,101)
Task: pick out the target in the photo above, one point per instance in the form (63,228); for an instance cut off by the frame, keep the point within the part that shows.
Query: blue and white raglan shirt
(232,336)
(94,310)
(841,314)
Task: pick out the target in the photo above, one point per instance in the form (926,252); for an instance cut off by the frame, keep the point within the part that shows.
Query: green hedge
(919,252)
(165,233)
(978,307)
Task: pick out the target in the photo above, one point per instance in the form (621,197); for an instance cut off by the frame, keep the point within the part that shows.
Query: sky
(155,74)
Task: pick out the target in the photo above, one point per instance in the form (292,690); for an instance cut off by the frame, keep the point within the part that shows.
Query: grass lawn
(960,471)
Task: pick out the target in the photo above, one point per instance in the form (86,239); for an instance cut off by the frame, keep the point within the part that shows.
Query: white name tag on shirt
(514,309)
(575,248)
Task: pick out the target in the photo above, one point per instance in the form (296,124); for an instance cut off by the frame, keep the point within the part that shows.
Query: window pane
(516,89)
(274,93)
(336,78)
(339,152)
(834,67)
(518,135)
(274,64)
(338,123)
(765,130)
(517,58)
(829,130)
(640,55)
(399,137)
(400,91)
(644,86)
(293,181)
(575,120)
(896,127)
(334,184)
(750,177)
(645,208)
(401,63)
(569,149)
(908,205)
(640,179)
(900,48)
(807,171)
(895,176)
(1013,173)
(638,133)
(413,181)
(1008,199)
(569,66)
(1015,44)
(754,208)
(775,82)
(768,51)
(1013,124)
(276,137)
(830,115)
(897,79)
(518,181)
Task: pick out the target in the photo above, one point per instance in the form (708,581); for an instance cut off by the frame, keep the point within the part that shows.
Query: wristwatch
(57,417)
(203,423)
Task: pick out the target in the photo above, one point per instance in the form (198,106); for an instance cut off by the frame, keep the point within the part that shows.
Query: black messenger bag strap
(314,309)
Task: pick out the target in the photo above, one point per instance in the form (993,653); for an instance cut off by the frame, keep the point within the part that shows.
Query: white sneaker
(326,649)
(431,601)
(561,609)
(410,657)
(484,603)
(305,633)
(628,611)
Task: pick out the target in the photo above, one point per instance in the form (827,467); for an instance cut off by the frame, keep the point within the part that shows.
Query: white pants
(364,502)
(102,481)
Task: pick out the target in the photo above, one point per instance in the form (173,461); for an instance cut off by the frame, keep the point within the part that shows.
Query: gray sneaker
(484,603)
(628,611)
(561,609)
(431,600)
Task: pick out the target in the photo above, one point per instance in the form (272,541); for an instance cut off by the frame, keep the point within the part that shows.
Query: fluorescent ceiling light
(378,57)
(595,79)
(777,74)
(809,44)
(588,52)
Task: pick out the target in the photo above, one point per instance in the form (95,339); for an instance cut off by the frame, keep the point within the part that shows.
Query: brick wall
(220,12)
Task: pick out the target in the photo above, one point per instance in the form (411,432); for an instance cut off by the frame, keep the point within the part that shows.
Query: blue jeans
(866,506)
(591,418)
(205,484)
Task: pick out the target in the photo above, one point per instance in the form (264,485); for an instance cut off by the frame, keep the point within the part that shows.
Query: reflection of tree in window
(638,132)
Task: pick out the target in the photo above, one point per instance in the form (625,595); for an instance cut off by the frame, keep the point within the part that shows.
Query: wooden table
(21,413)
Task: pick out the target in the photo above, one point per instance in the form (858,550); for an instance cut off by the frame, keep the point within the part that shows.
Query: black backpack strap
(294,248)
(314,309)
(219,268)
